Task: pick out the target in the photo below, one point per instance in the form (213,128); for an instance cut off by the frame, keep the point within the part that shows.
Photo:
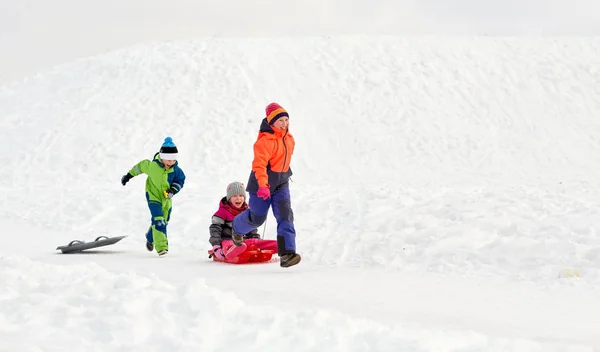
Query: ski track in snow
(441,185)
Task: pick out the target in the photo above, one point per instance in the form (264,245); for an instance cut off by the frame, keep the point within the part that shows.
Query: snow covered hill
(35,35)
(441,186)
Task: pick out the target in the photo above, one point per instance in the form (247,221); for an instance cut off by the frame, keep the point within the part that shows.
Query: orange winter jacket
(273,151)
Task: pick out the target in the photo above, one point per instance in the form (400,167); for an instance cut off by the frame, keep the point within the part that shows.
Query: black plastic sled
(78,246)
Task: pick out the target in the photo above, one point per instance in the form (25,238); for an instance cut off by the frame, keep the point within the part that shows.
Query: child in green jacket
(165,179)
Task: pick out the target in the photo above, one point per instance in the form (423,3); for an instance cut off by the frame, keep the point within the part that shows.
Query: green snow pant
(157,233)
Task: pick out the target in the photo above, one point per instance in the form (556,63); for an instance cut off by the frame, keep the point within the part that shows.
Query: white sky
(37,34)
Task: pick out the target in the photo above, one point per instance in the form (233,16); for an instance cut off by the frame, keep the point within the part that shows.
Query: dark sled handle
(78,241)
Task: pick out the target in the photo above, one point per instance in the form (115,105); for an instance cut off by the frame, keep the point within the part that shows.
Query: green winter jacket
(159,179)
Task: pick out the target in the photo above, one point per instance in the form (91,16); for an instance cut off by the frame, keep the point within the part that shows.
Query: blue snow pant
(157,233)
(256,215)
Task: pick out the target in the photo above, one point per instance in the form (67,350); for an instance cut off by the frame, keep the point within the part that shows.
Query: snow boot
(163,252)
(238,240)
(149,246)
(290,259)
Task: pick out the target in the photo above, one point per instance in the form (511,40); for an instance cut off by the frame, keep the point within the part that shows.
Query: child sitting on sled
(220,229)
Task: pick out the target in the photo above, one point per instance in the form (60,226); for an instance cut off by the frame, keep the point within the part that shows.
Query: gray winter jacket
(222,224)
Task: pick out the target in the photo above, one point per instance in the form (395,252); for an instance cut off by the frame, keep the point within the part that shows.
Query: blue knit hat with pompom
(168,150)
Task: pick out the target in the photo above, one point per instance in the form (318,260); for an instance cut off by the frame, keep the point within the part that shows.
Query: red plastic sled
(251,255)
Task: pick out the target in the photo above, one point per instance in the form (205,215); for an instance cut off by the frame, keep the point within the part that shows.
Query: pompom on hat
(274,111)
(168,150)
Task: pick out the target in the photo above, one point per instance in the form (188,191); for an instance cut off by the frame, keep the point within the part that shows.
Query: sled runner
(251,255)
(78,246)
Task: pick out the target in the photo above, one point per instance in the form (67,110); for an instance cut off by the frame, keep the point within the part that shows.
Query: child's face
(282,123)
(237,200)
(168,163)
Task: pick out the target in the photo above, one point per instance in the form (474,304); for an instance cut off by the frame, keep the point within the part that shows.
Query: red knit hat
(274,111)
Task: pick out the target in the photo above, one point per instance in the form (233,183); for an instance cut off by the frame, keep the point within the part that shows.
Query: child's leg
(253,217)
(286,233)
(149,234)
(161,241)
(156,214)
(231,251)
(157,233)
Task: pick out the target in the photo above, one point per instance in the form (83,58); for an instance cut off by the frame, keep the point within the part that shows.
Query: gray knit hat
(235,188)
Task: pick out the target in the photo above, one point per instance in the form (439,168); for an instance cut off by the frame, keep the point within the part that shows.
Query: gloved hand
(126,178)
(263,192)
(170,193)
(218,252)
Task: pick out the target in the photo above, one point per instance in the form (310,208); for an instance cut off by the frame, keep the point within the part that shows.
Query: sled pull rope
(264,229)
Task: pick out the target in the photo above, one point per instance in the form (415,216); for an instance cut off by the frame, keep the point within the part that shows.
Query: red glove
(263,192)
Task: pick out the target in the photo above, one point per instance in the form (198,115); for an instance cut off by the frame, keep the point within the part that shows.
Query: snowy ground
(442,188)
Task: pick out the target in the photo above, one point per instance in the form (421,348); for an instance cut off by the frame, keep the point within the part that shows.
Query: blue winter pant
(256,215)
(157,233)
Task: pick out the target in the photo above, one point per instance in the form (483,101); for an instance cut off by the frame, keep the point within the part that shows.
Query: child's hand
(169,194)
(263,192)
(218,252)
(126,179)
